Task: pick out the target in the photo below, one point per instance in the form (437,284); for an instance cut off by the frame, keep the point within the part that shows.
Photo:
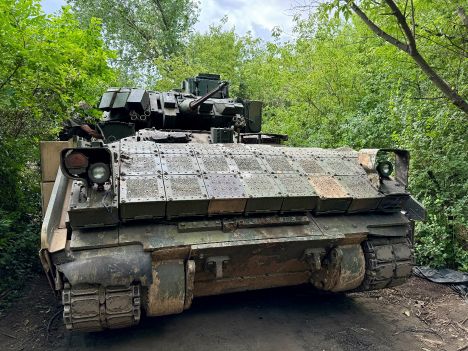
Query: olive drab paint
(198,202)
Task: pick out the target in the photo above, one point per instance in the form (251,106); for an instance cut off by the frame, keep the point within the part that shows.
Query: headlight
(99,173)
(385,169)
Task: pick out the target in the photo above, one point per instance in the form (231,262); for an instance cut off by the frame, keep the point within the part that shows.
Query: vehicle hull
(160,268)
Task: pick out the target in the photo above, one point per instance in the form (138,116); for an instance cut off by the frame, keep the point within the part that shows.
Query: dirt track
(416,316)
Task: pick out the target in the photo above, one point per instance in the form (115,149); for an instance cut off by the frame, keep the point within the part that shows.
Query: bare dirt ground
(416,316)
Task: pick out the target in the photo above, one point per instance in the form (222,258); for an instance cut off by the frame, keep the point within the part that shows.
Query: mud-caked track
(388,262)
(414,316)
(93,308)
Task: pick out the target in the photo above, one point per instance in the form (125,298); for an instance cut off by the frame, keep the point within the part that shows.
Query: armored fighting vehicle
(180,195)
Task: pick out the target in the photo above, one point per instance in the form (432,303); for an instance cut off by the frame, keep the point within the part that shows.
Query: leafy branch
(409,46)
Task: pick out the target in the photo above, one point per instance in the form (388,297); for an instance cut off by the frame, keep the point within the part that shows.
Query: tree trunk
(451,94)
(411,50)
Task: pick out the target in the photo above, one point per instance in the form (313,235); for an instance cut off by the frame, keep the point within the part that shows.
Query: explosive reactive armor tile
(260,185)
(298,193)
(184,187)
(280,164)
(358,186)
(208,149)
(308,152)
(223,186)
(309,166)
(236,149)
(137,147)
(327,187)
(341,166)
(179,164)
(175,148)
(265,150)
(333,197)
(226,193)
(142,197)
(140,164)
(301,151)
(249,164)
(216,164)
(186,195)
(365,196)
(142,188)
(263,193)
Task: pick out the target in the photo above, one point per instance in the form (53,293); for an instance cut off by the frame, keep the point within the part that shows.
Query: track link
(388,262)
(94,308)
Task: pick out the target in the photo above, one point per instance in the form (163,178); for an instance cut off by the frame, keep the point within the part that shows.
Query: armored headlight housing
(99,173)
(90,164)
(385,169)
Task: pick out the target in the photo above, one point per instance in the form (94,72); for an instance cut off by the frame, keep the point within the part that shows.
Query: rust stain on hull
(237,284)
(166,295)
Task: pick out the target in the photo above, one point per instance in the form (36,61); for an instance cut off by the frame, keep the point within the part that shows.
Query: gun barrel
(195,103)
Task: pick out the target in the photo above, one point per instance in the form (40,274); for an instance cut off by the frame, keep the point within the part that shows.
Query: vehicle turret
(203,103)
(192,105)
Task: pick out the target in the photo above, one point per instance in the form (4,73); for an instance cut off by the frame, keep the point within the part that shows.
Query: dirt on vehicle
(180,195)
(418,315)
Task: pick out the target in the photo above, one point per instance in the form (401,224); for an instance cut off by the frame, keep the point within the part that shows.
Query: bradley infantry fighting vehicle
(180,195)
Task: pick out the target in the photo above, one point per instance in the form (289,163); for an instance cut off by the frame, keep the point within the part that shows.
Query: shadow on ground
(296,318)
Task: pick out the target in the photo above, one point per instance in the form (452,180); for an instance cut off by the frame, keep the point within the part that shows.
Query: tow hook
(216,264)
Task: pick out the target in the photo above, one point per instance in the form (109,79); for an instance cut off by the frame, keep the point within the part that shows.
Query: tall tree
(140,30)
(401,32)
(216,51)
(49,65)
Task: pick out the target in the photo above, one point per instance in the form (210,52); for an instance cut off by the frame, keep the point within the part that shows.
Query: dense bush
(49,63)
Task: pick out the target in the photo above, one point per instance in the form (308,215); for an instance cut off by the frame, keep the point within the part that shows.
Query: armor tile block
(249,164)
(365,196)
(140,164)
(226,193)
(216,164)
(142,197)
(298,193)
(179,164)
(263,193)
(309,166)
(279,164)
(186,195)
(132,146)
(333,197)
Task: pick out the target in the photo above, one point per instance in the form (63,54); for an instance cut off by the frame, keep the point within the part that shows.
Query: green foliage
(200,55)
(50,64)
(337,84)
(140,31)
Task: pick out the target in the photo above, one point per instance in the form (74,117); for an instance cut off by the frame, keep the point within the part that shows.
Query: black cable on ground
(50,323)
